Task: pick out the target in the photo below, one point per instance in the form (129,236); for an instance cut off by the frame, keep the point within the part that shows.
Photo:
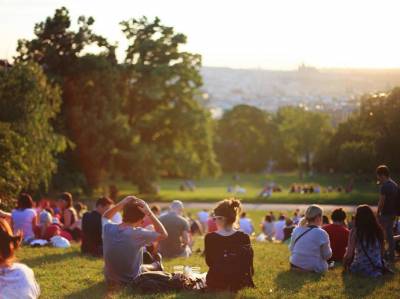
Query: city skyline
(256,34)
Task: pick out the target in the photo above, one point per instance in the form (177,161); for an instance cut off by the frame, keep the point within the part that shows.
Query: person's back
(268,229)
(312,249)
(367,259)
(17,281)
(279,226)
(92,242)
(246,226)
(175,225)
(230,261)
(338,236)
(123,251)
(22,220)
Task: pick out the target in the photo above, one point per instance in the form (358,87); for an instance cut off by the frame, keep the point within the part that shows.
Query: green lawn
(214,189)
(64,273)
(67,274)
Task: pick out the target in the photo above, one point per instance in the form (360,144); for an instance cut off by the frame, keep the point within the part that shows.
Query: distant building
(305,69)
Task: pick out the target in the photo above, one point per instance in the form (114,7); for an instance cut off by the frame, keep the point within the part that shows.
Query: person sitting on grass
(228,252)
(309,246)
(268,228)
(24,218)
(279,226)
(245,224)
(92,242)
(288,230)
(68,216)
(179,239)
(366,244)
(123,244)
(338,234)
(17,281)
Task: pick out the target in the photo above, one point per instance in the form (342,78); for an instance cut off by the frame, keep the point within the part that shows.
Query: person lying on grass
(310,247)
(16,280)
(228,252)
(123,244)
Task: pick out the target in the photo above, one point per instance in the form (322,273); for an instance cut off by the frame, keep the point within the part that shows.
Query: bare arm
(351,246)
(186,239)
(158,227)
(5,215)
(67,218)
(117,208)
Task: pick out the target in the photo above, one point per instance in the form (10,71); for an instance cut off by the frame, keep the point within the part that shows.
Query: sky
(278,34)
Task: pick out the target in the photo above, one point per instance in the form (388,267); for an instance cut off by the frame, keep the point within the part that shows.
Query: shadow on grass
(50,258)
(292,281)
(97,290)
(356,286)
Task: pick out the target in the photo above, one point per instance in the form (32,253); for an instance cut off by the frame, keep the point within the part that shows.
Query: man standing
(178,242)
(387,206)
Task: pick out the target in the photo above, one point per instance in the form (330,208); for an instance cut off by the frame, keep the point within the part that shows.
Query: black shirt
(390,190)
(222,276)
(92,242)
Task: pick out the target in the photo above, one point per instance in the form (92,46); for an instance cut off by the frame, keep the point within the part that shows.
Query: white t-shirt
(203,216)
(279,226)
(246,226)
(117,218)
(312,250)
(22,221)
(18,282)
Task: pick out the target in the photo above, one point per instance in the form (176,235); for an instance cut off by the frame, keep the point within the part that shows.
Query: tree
(171,132)
(94,95)
(84,116)
(28,143)
(245,139)
(56,47)
(303,133)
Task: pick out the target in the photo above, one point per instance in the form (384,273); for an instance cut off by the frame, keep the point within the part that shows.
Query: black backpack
(236,267)
(160,282)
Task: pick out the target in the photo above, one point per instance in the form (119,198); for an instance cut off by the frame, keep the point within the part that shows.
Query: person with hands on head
(123,244)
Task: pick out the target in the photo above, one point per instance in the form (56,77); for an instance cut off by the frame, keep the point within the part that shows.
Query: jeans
(387,222)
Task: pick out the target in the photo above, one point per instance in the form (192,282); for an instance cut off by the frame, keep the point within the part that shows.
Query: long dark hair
(24,201)
(367,226)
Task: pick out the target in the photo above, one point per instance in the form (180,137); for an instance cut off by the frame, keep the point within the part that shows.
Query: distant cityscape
(335,91)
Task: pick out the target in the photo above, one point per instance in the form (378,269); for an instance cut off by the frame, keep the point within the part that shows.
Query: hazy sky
(278,34)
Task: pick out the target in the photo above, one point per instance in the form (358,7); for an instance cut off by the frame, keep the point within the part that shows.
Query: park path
(263,206)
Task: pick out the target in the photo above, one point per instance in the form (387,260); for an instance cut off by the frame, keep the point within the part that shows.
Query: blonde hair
(312,212)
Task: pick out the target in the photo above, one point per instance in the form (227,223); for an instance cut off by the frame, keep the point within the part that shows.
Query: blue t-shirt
(123,251)
(390,190)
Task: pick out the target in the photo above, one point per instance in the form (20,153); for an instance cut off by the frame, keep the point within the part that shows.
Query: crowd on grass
(133,238)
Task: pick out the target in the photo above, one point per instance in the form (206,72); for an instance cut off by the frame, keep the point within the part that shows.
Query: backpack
(235,267)
(161,282)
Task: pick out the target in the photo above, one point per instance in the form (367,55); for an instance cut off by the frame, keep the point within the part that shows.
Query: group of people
(133,238)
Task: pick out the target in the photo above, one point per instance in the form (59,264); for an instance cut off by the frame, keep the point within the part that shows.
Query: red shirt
(338,236)
(212,225)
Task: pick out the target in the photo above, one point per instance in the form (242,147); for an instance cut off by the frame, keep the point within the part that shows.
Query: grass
(65,273)
(214,189)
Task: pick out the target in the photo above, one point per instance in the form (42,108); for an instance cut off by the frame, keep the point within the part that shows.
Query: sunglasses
(218,217)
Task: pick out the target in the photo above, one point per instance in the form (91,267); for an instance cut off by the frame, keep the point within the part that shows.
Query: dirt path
(263,206)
